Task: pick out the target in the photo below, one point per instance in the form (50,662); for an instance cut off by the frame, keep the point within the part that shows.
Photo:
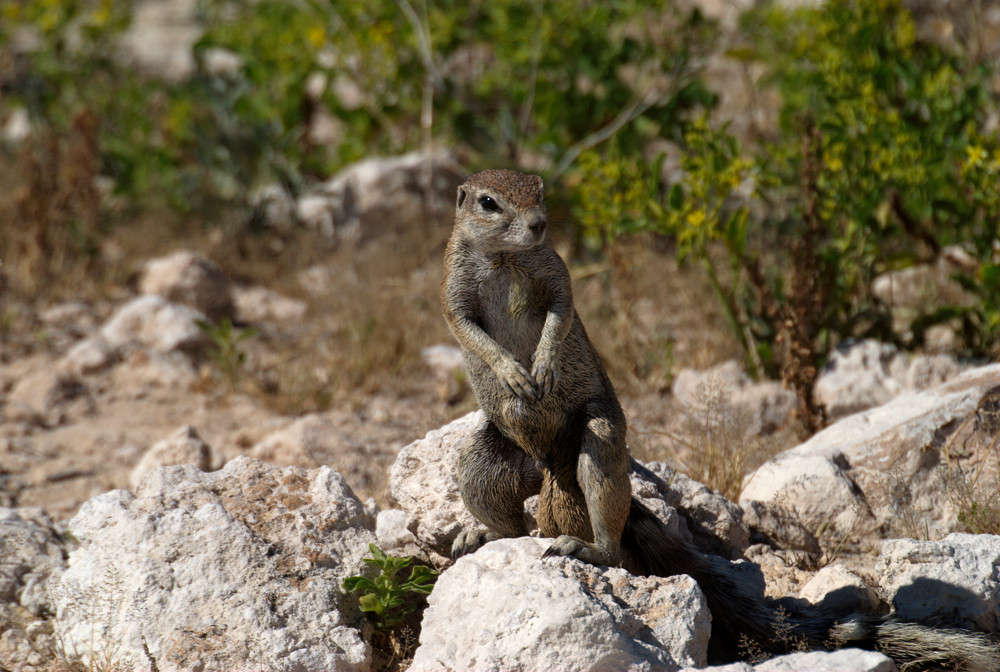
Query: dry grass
(958,471)
(375,308)
(978,497)
(100,606)
(712,440)
(648,316)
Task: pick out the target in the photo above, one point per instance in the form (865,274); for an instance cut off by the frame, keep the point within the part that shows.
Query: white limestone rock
(382,194)
(190,279)
(839,591)
(144,369)
(184,446)
(813,487)
(46,396)
(235,569)
(259,304)
(841,660)
(424,481)
(152,322)
(31,550)
(161,37)
(864,374)
(955,580)
(860,470)
(779,528)
(90,356)
(923,286)
(713,522)
(308,441)
(394,537)
(763,407)
(731,667)
(73,316)
(504,607)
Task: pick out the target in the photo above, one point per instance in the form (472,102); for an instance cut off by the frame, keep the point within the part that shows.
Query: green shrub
(878,129)
(879,163)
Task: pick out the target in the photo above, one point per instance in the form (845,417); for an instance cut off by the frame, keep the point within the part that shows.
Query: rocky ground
(236,556)
(112,555)
(176,496)
(199,569)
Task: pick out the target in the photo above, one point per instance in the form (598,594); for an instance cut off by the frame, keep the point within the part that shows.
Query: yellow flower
(696,218)
(100,16)
(316,36)
(976,154)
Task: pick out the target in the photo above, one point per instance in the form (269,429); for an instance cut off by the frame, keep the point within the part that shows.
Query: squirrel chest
(512,306)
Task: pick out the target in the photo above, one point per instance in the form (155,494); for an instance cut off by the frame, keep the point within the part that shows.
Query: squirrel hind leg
(602,475)
(494,477)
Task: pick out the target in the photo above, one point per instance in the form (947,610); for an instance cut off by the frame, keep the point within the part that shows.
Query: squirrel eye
(488,204)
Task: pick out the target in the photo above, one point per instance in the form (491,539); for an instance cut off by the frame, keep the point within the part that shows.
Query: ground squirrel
(554,427)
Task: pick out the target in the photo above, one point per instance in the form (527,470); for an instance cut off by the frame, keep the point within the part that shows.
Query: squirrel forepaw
(517,381)
(545,374)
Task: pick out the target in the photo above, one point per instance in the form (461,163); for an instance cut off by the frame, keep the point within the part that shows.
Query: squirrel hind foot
(574,547)
(470,540)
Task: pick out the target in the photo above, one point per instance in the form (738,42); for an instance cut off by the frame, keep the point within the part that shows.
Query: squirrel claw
(470,540)
(518,382)
(572,547)
(565,545)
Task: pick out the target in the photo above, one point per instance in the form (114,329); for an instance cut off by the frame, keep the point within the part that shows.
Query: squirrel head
(501,211)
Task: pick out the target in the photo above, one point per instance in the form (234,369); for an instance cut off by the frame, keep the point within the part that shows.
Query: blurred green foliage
(518,83)
(883,126)
(881,160)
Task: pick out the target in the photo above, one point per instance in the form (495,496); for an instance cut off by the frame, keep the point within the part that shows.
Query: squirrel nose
(536,223)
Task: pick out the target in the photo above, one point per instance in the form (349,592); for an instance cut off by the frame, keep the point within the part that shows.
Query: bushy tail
(915,646)
(745,621)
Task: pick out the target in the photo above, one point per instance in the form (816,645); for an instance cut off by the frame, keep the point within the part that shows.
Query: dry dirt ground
(354,358)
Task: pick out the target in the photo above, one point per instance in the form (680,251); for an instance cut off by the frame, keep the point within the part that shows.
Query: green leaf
(353,583)
(392,601)
(676,197)
(990,276)
(371,602)
(421,580)
(377,553)
(736,232)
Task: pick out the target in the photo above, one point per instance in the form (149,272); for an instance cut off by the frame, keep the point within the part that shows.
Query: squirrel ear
(461,196)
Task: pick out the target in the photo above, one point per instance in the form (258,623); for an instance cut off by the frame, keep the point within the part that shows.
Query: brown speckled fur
(554,426)
(547,398)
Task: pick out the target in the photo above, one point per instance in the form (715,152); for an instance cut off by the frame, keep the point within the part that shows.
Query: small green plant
(226,353)
(386,596)
(981,517)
